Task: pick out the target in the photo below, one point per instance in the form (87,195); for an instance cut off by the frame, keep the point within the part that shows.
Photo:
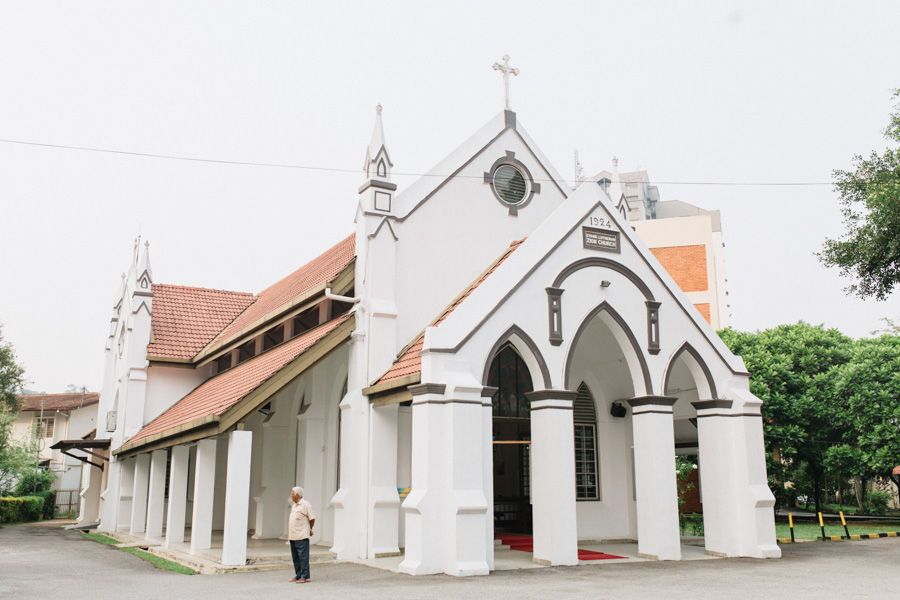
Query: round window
(510,184)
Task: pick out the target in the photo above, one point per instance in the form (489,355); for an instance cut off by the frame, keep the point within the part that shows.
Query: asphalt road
(44,561)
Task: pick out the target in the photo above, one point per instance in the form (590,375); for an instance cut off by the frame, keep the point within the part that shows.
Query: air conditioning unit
(111,421)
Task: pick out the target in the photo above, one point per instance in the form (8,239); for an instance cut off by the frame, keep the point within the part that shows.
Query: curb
(840,538)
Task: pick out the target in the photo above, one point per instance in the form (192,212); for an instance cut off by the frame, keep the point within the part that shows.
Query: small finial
(615,162)
(378,109)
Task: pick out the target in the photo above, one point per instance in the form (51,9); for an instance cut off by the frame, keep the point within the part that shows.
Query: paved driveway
(43,561)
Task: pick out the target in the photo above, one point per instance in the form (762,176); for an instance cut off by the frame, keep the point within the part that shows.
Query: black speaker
(617,409)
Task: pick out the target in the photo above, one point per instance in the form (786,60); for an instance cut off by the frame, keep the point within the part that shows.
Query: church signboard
(600,239)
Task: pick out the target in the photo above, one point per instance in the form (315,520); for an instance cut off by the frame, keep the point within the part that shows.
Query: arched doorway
(605,367)
(511,441)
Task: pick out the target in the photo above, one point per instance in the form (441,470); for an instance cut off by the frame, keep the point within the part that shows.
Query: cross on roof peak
(506,71)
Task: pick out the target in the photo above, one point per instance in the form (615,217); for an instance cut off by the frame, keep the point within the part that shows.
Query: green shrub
(49,510)
(34,482)
(877,502)
(22,508)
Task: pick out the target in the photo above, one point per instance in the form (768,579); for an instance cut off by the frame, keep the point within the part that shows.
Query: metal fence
(67,502)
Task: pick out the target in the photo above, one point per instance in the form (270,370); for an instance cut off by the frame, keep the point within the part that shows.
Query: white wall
(453,237)
(167,385)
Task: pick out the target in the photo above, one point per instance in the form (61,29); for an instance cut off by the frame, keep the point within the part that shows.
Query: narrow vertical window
(554,310)
(587,471)
(652,327)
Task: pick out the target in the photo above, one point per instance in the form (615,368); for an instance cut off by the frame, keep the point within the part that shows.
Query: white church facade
(490,351)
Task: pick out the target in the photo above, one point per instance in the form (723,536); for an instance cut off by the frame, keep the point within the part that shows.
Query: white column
(139,495)
(738,516)
(384,501)
(447,514)
(126,487)
(156,494)
(270,497)
(553,478)
(178,483)
(659,535)
(204,493)
(237,498)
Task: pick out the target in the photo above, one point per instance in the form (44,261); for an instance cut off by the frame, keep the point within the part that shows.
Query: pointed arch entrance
(605,366)
(511,380)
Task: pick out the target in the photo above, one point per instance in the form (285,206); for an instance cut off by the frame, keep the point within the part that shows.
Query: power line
(276,165)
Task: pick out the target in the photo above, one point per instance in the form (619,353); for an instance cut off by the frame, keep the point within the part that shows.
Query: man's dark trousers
(300,556)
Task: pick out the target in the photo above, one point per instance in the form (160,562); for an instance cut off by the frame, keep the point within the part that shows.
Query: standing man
(300,529)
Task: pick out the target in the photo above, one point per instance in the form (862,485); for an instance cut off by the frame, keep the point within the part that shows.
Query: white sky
(716,91)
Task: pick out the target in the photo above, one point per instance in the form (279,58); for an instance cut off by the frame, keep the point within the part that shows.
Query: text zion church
(490,352)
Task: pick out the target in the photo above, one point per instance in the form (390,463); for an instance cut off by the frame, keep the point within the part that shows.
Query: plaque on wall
(600,239)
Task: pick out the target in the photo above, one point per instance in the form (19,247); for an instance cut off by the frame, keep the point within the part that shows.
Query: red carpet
(525,543)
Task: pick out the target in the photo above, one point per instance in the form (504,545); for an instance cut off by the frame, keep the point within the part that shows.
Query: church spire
(378,163)
(144,273)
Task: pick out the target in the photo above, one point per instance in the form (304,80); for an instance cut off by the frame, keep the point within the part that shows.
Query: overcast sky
(693,92)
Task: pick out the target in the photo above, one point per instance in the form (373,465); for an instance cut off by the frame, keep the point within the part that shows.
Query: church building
(489,351)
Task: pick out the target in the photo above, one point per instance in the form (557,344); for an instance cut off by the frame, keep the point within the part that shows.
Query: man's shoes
(303,581)
(293,580)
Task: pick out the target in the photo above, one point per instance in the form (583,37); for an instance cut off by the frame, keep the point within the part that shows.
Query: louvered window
(587,470)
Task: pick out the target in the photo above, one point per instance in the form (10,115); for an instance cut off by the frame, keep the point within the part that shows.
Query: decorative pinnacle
(378,109)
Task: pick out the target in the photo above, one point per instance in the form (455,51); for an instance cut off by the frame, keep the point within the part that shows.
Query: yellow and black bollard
(844,523)
(822,527)
(791,525)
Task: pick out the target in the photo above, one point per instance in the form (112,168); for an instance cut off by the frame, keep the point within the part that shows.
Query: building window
(510,375)
(246,351)
(587,472)
(223,363)
(510,184)
(306,320)
(273,337)
(44,426)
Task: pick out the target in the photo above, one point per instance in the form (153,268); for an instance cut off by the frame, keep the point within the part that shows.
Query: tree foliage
(16,457)
(869,251)
(790,367)
(866,393)
(12,377)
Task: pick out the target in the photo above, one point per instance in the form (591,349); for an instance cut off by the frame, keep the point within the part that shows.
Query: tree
(790,367)
(15,457)
(869,251)
(11,377)
(867,391)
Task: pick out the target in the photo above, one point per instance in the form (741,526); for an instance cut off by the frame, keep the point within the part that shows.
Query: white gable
(451,226)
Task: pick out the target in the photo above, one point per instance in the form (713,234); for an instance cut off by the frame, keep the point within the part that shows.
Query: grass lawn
(809,531)
(157,561)
(102,539)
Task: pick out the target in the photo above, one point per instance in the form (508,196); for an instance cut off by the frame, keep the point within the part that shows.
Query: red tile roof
(410,360)
(277,296)
(219,393)
(58,401)
(185,319)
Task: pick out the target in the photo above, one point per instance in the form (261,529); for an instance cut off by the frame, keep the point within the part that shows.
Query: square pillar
(123,494)
(738,515)
(204,494)
(139,495)
(447,512)
(237,497)
(156,493)
(659,536)
(384,500)
(178,484)
(553,477)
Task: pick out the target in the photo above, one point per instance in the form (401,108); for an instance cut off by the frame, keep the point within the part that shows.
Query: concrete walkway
(44,561)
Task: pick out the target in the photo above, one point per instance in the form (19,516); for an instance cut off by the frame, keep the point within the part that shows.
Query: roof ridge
(201,289)
(57,394)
